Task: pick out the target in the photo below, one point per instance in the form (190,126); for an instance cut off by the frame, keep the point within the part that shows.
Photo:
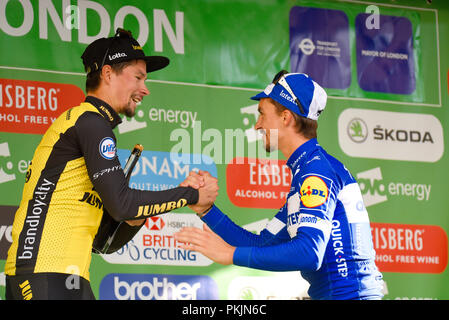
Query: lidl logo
(314,192)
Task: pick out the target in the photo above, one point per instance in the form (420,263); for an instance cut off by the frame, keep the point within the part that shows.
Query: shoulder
(86,116)
(319,163)
(322,172)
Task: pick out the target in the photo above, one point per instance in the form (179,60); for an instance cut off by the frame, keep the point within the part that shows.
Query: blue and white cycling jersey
(323,230)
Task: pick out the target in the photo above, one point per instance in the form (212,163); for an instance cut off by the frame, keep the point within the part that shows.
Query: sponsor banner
(157,171)
(118,286)
(410,248)
(319,45)
(258,183)
(32,106)
(7,214)
(388,135)
(377,189)
(385,57)
(280,285)
(155,244)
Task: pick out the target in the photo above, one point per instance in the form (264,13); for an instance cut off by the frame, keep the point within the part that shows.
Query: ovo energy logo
(376,190)
(4,152)
(314,192)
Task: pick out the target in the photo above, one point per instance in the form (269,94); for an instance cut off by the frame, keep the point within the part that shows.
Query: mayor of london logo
(357,130)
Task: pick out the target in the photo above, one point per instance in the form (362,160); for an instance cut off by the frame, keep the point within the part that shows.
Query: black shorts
(48,286)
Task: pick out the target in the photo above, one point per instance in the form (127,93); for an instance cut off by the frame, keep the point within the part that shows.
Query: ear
(287,117)
(106,73)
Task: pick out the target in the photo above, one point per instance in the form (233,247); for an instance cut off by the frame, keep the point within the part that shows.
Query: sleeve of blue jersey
(305,253)
(234,234)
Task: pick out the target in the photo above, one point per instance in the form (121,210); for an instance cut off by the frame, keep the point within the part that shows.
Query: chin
(270,148)
(129,113)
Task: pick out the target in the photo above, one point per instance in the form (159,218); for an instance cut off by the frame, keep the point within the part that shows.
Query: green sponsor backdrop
(221,54)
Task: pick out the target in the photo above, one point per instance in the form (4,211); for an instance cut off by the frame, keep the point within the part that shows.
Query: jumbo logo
(314,192)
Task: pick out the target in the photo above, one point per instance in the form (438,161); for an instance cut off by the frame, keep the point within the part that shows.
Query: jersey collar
(106,110)
(299,156)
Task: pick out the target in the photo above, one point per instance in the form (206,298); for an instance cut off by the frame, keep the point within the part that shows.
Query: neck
(293,143)
(103,95)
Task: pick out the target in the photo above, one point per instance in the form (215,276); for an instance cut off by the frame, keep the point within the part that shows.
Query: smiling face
(127,88)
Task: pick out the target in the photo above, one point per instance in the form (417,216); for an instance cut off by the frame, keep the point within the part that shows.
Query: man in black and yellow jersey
(75,174)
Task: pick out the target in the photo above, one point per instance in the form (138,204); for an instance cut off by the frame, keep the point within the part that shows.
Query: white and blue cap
(297,92)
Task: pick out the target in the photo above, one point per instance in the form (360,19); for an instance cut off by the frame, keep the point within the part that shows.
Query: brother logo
(157,287)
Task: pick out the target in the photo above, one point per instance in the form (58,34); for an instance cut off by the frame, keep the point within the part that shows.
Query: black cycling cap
(119,48)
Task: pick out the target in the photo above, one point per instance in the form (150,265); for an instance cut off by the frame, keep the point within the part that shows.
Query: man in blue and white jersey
(323,229)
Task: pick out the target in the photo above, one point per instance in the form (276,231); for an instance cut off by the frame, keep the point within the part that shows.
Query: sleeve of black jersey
(107,176)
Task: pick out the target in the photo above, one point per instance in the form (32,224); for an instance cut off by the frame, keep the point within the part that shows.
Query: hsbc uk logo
(155,223)
(375,189)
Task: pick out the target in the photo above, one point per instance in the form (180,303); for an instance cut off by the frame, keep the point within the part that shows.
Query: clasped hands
(204,240)
(207,187)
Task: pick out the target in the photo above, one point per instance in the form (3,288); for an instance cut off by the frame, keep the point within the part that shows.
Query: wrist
(201,213)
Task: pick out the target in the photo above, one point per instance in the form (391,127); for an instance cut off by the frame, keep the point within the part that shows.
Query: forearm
(231,232)
(304,252)
(130,204)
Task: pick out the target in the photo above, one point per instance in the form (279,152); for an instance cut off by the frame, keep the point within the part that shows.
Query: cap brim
(259,96)
(155,63)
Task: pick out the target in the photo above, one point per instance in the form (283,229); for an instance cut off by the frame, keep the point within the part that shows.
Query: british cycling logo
(155,244)
(118,286)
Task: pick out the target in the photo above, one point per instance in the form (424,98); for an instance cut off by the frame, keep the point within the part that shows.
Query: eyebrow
(140,73)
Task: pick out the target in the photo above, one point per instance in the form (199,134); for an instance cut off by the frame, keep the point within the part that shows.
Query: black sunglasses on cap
(279,78)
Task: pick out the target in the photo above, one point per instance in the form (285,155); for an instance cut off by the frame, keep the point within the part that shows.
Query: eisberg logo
(107,148)
(118,286)
(390,135)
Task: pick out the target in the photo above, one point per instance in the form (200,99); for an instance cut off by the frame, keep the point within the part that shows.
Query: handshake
(207,187)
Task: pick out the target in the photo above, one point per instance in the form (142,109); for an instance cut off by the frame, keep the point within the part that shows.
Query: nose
(258,124)
(144,90)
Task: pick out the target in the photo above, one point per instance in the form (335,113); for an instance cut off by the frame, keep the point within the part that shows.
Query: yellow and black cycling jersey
(73,176)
